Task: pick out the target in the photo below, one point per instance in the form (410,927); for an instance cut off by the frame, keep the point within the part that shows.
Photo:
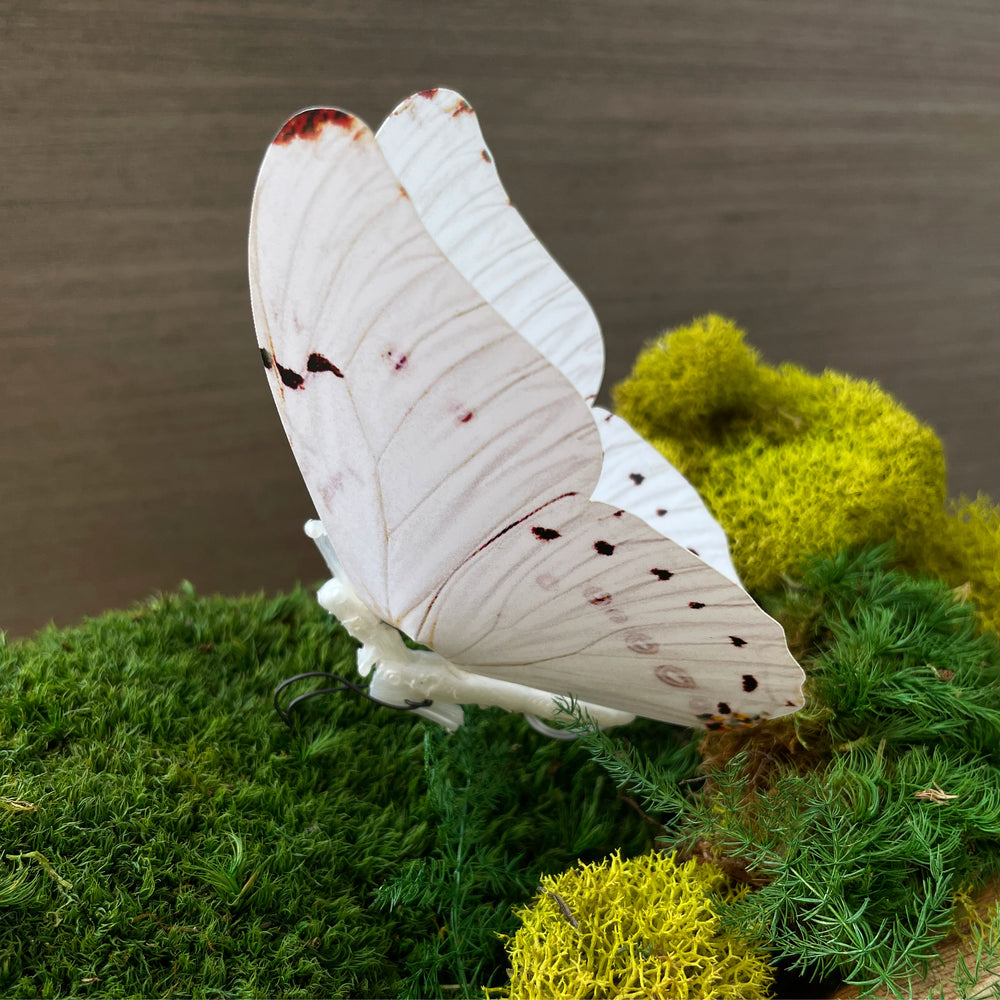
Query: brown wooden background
(824,172)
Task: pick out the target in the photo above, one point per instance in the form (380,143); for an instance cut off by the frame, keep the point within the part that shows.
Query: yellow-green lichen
(966,552)
(793,463)
(646,927)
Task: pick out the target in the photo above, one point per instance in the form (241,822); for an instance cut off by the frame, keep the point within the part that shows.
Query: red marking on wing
(463,107)
(428,94)
(309,124)
(641,643)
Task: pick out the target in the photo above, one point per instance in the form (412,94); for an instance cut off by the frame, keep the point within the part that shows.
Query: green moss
(165,834)
(646,927)
(790,463)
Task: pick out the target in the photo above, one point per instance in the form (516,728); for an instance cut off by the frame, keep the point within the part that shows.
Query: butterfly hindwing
(637,477)
(587,599)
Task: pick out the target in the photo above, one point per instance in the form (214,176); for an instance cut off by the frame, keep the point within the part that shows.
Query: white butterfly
(433,369)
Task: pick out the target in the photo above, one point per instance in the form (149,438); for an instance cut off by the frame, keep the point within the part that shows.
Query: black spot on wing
(545,534)
(604,548)
(661,574)
(265,356)
(737,641)
(291,379)
(695,604)
(661,511)
(724,709)
(317,363)
(749,683)
(637,477)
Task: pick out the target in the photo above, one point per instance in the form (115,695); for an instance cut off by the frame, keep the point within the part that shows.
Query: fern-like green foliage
(645,927)
(165,834)
(892,659)
(860,818)
(793,463)
(459,883)
(493,844)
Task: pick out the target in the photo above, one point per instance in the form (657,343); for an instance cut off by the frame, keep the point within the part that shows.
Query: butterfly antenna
(342,684)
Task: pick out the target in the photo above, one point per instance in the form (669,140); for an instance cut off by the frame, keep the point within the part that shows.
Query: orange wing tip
(459,106)
(308,124)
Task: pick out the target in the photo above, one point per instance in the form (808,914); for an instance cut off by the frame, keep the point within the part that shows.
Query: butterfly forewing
(433,143)
(422,423)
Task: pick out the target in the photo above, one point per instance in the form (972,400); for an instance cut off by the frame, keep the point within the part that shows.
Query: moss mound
(796,464)
(646,927)
(164,833)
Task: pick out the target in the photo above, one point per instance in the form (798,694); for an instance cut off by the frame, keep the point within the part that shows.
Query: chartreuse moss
(966,553)
(793,463)
(645,927)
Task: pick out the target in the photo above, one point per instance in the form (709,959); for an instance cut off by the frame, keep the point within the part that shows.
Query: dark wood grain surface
(825,173)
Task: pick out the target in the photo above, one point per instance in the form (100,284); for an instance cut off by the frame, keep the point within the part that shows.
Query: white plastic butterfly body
(433,368)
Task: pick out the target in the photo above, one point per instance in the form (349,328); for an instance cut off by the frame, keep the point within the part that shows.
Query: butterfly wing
(452,465)
(433,143)
(586,598)
(637,477)
(422,423)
